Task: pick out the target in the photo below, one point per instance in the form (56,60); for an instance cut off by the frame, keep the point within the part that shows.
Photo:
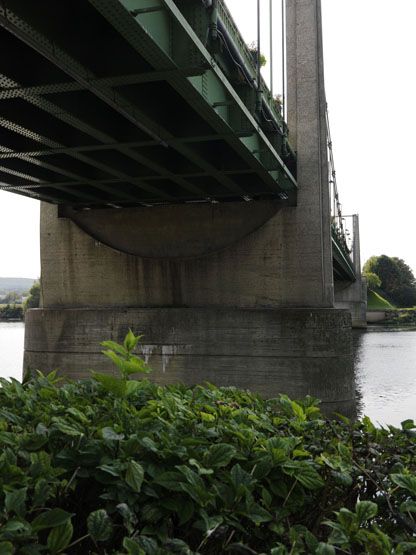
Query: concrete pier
(237,295)
(353,296)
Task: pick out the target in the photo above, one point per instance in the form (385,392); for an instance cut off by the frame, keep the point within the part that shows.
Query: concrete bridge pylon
(237,294)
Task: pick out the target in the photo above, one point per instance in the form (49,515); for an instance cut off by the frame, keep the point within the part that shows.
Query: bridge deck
(135,102)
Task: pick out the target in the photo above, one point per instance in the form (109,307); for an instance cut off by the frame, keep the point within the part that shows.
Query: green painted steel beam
(152,36)
(33,38)
(343,266)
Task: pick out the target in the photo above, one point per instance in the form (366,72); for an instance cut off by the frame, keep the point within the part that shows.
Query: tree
(33,301)
(373,281)
(10,298)
(397,280)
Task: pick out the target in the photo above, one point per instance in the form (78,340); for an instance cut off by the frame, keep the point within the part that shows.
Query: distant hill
(15,284)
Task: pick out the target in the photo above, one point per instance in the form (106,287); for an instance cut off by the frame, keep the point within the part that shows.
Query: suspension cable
(336,209)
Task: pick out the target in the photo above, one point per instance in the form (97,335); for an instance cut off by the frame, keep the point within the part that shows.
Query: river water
(384,363)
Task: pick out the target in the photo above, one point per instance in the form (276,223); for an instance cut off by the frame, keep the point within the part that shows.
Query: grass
(376,302)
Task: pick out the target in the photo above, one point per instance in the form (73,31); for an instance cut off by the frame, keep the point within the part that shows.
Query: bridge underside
(125,103)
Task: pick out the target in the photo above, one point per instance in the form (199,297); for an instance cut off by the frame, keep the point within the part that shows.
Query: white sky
(371,90)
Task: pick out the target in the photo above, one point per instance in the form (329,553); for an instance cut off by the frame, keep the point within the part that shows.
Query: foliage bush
(33,300)
(110,465)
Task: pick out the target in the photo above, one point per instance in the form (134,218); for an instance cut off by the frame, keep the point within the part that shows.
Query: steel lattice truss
(133,103)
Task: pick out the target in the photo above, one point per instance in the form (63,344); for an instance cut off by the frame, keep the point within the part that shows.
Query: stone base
(294,351)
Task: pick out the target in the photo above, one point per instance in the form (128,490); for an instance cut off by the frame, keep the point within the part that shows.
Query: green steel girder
(342,264)
(169,52)
(153,35)
(114,99)
(75,122)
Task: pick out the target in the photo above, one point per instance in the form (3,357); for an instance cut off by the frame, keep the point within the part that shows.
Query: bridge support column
(353,296)
(238,295)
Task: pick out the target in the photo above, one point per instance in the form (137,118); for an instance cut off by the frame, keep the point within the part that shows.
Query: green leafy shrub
(93,467)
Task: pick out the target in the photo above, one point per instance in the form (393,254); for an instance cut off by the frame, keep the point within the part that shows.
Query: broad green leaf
(118,361)
(365,510)
(206,417)
(99,525)
(342,478)
(132,386)
(408,506)
(78,415)
(325,549)
(112,469)
(170,480)
(62,425)
(219,455)
(258,515)
(298,411)
(50,519)
(130,341)
(6,548)
(60,537)
(135,365)
(134,475)
(304,472)
(113,346)
(15,501)
(111,384)
(132,547)
(405,481)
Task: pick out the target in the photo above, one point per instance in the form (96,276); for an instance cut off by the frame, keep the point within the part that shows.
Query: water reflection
(11,349)
(385,366)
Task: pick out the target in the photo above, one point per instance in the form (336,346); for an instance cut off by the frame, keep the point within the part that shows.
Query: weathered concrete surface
(306,106)
(376,316)
(261,270)
(295,351)
(179,231)
(353,296)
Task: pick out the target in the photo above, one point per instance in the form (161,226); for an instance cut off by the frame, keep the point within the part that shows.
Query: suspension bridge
(172,182)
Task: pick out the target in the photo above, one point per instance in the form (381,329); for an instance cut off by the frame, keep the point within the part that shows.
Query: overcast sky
(371,90)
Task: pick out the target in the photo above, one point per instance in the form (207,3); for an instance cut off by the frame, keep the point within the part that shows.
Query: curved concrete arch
(175,231)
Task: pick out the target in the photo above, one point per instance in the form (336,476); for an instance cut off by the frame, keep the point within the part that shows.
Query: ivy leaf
(50,519)
(365,510)
(134,475)
(15,501)
(60,537)
(99,525)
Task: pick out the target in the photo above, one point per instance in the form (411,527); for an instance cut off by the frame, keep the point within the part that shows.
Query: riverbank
(397,317)
(11,313)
